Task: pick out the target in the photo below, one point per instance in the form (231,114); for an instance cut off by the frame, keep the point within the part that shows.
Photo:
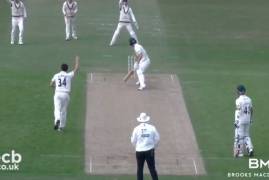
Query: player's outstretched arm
(133,18)
(76,67)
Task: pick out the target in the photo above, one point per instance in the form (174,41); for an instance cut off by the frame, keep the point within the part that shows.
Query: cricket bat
(128,75)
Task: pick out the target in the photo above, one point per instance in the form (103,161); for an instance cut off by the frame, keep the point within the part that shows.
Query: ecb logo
(12,157)
(258,164)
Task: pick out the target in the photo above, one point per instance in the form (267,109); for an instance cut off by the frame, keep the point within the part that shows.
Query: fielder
(125,20)
(18,13)
(62,84)
(70,9)
(141,64)
(243,120)
(145,139)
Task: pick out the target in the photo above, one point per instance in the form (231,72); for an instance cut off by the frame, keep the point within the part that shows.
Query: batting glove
(135,66)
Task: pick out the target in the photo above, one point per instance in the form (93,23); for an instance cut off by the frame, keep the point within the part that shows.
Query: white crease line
(195,167)
(91,77)
(59,156)
(90,165)
(108,55)
(102,24)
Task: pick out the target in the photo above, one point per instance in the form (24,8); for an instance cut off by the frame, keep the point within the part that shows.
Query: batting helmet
(124,0)
(132,41)
(241,88)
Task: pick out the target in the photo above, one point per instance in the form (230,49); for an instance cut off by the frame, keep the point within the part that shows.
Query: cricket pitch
(112,108)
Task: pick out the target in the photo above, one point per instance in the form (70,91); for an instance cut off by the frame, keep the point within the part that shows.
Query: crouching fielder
(243,120)
(141,64)
(125,20)
(62,83)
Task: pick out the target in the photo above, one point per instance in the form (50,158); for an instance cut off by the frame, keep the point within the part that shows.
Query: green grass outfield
(211,44)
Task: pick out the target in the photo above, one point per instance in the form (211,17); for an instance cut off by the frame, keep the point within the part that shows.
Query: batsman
(243,120)
(141,64)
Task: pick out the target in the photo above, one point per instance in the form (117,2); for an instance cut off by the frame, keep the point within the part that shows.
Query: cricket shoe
(236,152)
(56,126)
(75,37)
(141,88)
(240,155)
(251,153)
(61,129)
(12,42)
(20,43)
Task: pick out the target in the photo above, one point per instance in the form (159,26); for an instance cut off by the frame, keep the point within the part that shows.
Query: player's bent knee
(139,72)
(132,34)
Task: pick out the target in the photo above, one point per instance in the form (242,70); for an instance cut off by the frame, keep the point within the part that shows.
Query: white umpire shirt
(145,137)
(243,109)
(63,81)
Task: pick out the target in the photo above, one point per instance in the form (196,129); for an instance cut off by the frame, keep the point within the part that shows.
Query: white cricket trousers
(121,25)
(140,69)
(61,101)
(242,137)
(17,22)
(70,27)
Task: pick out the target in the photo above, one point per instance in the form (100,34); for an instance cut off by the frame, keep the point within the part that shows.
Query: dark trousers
(148,156)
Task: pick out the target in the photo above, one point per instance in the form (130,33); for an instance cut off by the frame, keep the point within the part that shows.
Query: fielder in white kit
(62,84)
(243,120)
(141,64)
(125,20)
(18,13)
(70,9)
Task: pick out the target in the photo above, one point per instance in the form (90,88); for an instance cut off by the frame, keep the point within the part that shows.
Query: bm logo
(257,164)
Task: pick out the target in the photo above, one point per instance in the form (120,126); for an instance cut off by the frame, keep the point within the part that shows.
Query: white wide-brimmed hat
(143,117)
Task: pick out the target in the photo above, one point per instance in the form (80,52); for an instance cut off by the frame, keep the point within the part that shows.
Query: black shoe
(56,126)
(251,153)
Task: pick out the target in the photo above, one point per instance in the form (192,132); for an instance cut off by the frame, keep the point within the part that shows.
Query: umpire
(145,138)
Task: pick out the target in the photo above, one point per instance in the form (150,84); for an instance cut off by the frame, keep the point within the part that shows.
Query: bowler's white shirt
(70,9)
(243,109)
(126,14)
(62,81)
(140,50)
(18,10)
(145,137)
